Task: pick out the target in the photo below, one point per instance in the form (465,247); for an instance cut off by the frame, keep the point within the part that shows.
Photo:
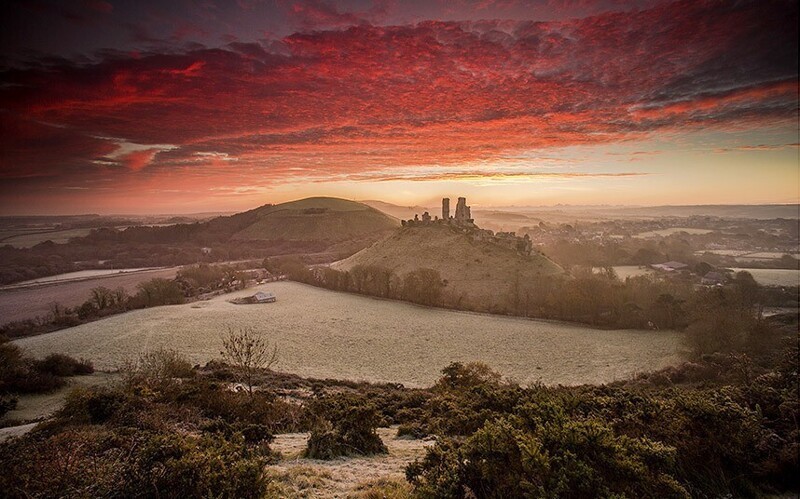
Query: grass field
(30,239)
(774,277)
(19,303)
(322,334)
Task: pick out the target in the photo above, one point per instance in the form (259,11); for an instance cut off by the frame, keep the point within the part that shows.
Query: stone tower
(462,211)
(445,208)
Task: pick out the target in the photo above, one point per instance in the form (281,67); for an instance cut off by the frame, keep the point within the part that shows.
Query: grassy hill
(480,274)
(315,219)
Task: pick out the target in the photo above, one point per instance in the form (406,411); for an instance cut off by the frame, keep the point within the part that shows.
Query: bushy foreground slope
(725,425)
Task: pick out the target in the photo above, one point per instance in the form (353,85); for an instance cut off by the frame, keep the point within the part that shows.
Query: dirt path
(341,477)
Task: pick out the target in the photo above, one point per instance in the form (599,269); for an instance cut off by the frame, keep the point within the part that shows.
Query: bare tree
(248,352)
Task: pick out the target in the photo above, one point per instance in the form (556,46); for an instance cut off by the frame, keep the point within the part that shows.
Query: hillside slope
(401,212)
(315,219)
(480,274)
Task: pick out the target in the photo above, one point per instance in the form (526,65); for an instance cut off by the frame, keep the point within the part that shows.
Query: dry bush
(249,353)
(157,367)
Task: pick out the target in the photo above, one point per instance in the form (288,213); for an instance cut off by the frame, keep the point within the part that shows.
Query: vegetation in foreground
(21,374)
(726,424)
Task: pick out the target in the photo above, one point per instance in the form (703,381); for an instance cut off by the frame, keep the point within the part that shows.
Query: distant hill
(480,273)
(315,219)
(399,212)
(569,213)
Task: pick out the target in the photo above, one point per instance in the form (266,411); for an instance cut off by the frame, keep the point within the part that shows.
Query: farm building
(264,297)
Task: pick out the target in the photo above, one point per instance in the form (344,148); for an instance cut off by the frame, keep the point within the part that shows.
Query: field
(75,276)
(774,277)
(625,271)
(29,239)
(18,303)
(673,230)
(324,334)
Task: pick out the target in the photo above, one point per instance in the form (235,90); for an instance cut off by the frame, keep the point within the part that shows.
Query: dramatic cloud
(362,96)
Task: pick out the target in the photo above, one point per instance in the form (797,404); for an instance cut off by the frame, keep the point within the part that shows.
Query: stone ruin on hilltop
(463,221)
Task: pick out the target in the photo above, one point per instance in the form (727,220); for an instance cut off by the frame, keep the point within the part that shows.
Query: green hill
(321,219)
(480,272)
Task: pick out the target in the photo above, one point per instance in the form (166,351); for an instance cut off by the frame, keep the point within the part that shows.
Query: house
(670,266)
(264,297)
(713,279)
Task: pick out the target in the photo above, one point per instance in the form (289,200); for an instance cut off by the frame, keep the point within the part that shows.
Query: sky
(221,105)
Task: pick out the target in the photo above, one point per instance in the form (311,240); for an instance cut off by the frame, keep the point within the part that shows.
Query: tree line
(717,319)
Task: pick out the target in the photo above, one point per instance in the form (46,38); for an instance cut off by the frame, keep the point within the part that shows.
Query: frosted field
(774,277)
(672,230)
(74,276)
(322,334)
(625,271)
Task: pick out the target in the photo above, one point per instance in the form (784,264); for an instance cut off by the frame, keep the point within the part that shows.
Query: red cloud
(434,93)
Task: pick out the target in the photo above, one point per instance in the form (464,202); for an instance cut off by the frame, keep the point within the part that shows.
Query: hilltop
(481,270)
(315,219)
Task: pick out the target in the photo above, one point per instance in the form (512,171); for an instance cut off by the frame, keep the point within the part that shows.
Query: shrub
(95,461)
(169,465)
(561,459)
(158,366)
(63,365)
(249,353)
(92,405)
(7,404)
(31,381)
(352,433)
(459,377)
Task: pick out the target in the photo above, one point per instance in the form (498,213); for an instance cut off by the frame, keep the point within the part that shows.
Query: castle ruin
(463,221)
(463,213)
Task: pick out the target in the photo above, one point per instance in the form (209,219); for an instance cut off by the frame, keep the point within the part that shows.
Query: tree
(159,291)
(248,352)
(423,286)
(102,297)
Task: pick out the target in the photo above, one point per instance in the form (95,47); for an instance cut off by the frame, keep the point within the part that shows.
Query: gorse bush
(349,431)
(21,374)
(63,365)
(505,441)
(92,461)
(157,367)
(510,458)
